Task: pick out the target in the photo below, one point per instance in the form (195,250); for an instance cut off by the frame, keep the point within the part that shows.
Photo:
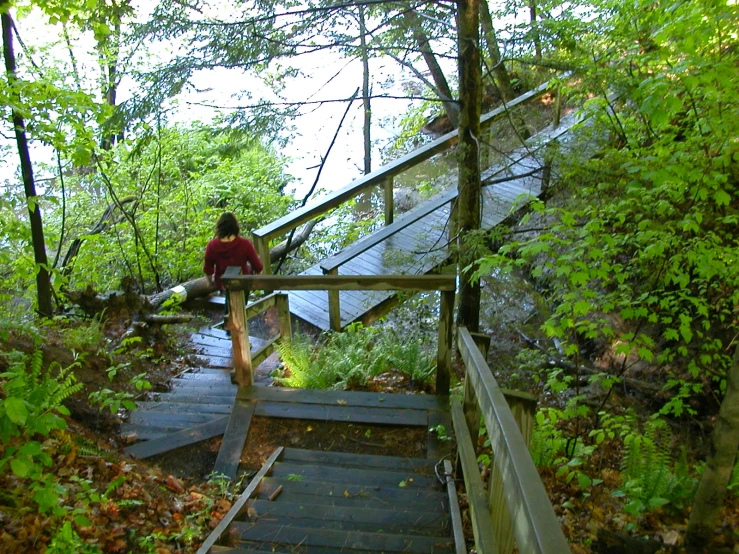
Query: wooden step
(378,542)
(392,520)
(342,459)
(183,407)
(338,494)
(178,420)
(337,474)
(192,397)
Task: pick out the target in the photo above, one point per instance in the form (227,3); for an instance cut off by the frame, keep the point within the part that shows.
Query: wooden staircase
(328,502)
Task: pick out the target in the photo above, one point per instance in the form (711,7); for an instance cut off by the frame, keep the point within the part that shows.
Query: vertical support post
(389,202)
(523,406)
(471,407)
(261,245)
(334,307)
(283,315)
(239,328)
(444,354)
(557,107)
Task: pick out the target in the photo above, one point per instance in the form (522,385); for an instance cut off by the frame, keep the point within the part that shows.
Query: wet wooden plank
(179,407)
(156,418)
(192,397)
(378,542)
(347,398)
(352,414)
(215,375)
(418,465)
(175,440)
(397,520)
(339,494)
(189,386)
(146,432)
(214,361)
(208,340)
(353,475)
(229,455)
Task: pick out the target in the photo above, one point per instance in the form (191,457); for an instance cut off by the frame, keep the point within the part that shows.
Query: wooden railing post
(472,412)
(389,202)
(444,354)
(261,245)
(334,307)
(283,315)
(238,326)
(523,407)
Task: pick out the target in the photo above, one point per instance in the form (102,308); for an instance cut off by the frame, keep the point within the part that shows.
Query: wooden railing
(239,315)
(383,176)
(236,285)
(517,510)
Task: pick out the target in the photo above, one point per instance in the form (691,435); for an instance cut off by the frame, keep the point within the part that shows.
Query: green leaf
(16,410)
(20,467)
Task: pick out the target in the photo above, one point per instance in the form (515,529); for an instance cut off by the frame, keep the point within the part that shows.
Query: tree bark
(535,29)
(43,282)
(419,35)
(498,69)
(469,187)
(720,463)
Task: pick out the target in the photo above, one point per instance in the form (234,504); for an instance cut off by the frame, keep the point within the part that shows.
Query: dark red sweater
(239,252)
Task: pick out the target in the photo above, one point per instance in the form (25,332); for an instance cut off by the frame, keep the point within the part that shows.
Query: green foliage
(85,336)
(650,478)
(349,359)
(647,239)
(33,396)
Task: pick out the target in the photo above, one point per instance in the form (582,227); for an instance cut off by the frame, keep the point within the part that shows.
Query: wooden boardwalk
(415,244)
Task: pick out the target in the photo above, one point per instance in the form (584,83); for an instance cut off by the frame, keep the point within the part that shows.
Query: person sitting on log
(228,248)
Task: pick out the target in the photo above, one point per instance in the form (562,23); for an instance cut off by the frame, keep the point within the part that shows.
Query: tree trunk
(720,463)
(470,189)
(498,69)
(43,282)
(535,29)
(365,93)
(105,222)
(450,108)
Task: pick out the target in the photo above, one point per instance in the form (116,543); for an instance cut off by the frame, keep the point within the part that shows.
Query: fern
(651,479)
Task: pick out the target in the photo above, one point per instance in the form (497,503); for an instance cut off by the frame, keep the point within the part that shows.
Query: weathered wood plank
(455,515)
(238,326)
(379,416)
(176,440)
(239,505)
(155,418)
(378,542)
(339,494)
(190,386)
(484,539)
(146,432)
(214,361)
(327,282)
(352,475)
(346,398)
(291,514)
(229,455)
(535,524)
(418,465)
(192,397)
(177,407)
(209,341)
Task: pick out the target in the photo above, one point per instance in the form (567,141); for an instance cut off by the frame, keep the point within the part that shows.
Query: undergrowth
(350,359)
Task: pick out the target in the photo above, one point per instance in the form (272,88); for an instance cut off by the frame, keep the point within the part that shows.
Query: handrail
(534,522)
(381,175)
(236,285)
(408,218)
(340,282)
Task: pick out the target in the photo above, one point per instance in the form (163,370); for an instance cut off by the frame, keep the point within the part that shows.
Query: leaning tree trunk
(498,69)
(43,281)
(419,35)
(467,210)
(721,458)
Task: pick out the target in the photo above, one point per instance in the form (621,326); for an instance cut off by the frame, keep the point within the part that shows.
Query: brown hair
(227,225)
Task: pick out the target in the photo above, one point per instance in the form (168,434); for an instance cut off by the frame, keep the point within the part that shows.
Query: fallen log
(156,319)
